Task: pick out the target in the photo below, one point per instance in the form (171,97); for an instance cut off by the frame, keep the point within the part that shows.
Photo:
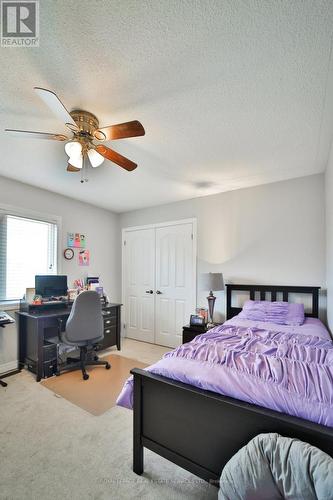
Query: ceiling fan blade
(37,135)
(56,106)
(115,157)
(70,168)
(120,131)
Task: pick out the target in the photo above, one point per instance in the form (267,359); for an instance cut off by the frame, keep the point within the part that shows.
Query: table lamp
(213,283)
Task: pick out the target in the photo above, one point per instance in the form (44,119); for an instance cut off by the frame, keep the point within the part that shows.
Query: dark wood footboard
(200,430)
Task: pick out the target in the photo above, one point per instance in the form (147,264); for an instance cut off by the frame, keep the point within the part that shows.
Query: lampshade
(95,158)
(74,151)
(73,148)
(76,161)
(213,281)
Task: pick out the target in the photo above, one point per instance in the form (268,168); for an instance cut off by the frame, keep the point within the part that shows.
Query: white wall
(271,234)
(329,239)
(101,230)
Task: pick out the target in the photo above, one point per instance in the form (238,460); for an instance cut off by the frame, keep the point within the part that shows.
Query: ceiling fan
(85,129)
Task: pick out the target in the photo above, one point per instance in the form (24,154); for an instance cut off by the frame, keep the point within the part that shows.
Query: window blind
(27,247)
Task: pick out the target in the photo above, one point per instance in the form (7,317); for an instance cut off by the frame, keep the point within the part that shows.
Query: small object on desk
(92,279)
(71,294)
(78,284)
(29,294)
(196,320)
(37,300)
(202,311)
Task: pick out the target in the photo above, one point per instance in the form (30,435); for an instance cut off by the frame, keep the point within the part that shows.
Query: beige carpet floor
(51,448)
(99,393)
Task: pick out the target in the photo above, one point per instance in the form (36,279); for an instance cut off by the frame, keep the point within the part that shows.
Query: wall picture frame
(84,258)
(76,240)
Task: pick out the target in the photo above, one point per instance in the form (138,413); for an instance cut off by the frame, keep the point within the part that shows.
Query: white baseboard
(7,367)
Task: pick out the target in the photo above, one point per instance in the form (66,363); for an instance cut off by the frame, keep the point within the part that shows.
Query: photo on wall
(70,239)
(76,240)
(84,258)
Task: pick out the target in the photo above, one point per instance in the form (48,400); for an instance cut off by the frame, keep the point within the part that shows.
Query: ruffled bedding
(287,372)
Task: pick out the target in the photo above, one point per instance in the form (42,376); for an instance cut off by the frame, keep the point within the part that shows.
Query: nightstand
(189,332)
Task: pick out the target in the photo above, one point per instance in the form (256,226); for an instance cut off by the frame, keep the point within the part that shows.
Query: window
(27,247)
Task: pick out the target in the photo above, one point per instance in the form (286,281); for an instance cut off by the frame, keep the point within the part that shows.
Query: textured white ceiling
(231,94)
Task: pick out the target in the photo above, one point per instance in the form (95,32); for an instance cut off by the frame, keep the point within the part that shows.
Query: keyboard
(5,318)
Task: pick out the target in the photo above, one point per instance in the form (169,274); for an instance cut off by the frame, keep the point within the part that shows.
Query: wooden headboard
(270,292)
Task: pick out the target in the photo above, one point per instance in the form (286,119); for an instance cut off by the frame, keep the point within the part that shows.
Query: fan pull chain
(84,171)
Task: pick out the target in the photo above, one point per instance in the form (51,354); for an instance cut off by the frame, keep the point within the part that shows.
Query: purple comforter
(286,372)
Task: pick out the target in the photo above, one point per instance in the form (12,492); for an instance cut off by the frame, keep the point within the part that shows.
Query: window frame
(39,216)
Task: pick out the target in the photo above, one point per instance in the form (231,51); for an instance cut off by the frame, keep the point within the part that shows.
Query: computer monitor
(52,285)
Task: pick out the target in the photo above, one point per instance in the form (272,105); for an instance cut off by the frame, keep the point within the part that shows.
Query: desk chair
(84,329)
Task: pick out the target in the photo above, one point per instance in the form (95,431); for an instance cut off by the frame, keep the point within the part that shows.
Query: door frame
(193,221)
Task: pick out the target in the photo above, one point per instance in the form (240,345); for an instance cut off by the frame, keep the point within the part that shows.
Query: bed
(201,430)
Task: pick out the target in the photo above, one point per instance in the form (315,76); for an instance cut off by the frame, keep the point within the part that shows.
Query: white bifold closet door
(159,282)
(174,283)
(139,269)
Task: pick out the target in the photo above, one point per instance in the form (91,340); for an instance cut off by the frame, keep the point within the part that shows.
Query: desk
(35,328)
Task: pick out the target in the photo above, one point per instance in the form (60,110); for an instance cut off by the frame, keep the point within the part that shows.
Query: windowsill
(9,305)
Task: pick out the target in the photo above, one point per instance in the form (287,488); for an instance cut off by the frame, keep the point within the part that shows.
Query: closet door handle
(149,291)
(158,292)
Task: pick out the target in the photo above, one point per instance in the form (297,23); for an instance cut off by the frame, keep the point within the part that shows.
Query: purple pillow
(280,313)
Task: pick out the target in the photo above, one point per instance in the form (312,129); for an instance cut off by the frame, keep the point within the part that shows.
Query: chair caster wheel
(85,376)
(96,358)
(57,374)
(107,366)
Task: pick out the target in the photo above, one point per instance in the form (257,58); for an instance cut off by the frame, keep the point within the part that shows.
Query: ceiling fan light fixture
(74,151)
(99,135)
(73,148)
(76,161)
(95,158)
(72,127)
(85,128)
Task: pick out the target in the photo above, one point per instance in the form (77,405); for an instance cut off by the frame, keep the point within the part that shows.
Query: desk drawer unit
(109,312)
(110,321)
(111,318)
(110,337)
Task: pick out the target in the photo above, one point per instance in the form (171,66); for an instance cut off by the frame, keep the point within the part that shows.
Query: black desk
(35,328)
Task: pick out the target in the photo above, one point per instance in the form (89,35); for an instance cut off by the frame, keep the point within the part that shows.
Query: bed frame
(200,430)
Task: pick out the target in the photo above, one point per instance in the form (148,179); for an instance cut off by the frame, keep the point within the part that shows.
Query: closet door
(139,280)
(175,286)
